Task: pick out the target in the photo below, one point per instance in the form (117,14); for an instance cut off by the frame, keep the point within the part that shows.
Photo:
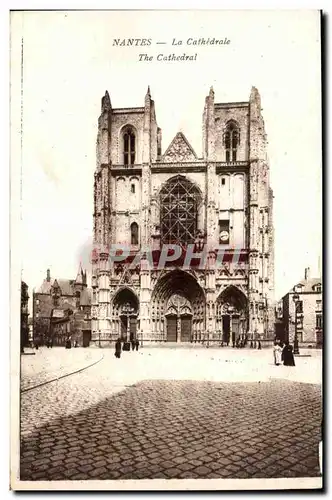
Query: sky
(69,62)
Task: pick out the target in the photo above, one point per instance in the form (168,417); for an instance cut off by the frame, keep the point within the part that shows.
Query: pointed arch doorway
(177,308)
(232,312)
(125,308)
(178,319)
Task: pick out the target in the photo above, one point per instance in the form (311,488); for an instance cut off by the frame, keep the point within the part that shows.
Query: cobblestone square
(163,413)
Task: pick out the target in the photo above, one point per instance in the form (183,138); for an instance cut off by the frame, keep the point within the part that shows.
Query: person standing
(118,346)
(136,344)
(277,351)
(287,355)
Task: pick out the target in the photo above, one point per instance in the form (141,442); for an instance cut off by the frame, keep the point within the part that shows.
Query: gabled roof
(45,287)
(179,150)
(65,286)
(307,285)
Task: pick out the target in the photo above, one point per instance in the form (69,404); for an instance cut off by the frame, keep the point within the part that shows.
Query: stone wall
(242,196)
(239,114)
(306,335)
(120,119)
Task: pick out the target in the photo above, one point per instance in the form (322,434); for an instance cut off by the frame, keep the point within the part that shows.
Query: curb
(62,376)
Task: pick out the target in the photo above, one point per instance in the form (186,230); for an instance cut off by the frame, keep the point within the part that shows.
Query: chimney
(48,275)
(307,273)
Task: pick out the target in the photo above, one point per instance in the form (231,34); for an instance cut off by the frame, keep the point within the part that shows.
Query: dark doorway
(86,338)
(171,328)
(235,328)
(185,328)
(133,328)
(226,328)
(123,320)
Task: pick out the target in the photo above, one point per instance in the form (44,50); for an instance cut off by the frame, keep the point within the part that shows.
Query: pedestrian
(277,353)
(118,346)
(287,355)
(132,344)
(136,344)
(259,345)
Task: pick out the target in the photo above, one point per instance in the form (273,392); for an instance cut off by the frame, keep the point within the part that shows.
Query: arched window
(129,147)
(179,200)
(134,233)
(232,141)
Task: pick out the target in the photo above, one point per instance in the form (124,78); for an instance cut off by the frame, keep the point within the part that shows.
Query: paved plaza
(169,413)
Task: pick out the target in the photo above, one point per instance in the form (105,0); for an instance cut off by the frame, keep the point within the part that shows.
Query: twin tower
(158,206)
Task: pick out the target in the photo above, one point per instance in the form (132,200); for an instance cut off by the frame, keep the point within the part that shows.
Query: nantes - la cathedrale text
(146,42)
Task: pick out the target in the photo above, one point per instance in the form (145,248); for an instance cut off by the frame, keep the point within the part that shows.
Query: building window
(223,181)
(299,307)
(319,289)
(134,233)
(132,188)
(232,141)
(37,302)
(224,232)
(179,200)
(319,321)
(319,305)
(129,145)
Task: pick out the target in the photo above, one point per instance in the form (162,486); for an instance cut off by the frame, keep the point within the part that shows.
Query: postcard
(166,175)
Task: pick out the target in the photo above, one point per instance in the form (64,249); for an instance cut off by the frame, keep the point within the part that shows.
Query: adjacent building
(302,312)
(24,315)
(61,310)
(219,203)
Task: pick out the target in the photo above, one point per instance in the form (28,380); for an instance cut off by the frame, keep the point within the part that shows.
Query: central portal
(179,319)
(177,308)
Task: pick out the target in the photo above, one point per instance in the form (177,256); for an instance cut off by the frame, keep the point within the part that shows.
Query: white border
(121,5)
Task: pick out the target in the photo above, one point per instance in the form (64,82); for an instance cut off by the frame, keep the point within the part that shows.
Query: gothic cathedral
(183,245)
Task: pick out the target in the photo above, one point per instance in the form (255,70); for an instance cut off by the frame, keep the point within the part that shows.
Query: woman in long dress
(117,353)
(287,355)
(277,353)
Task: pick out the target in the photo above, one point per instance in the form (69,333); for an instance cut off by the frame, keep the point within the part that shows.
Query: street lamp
(296,341)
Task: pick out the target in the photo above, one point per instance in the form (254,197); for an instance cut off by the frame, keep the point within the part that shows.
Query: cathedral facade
(183,245)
